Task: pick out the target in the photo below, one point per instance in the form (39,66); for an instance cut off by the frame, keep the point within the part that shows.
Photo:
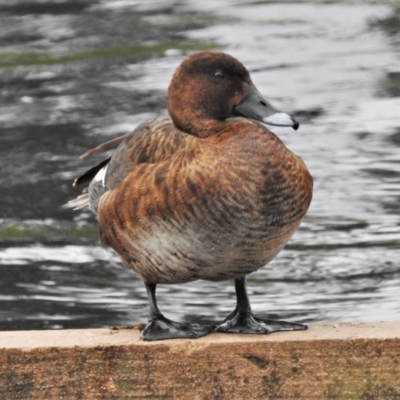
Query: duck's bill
(254,106)
(281,119)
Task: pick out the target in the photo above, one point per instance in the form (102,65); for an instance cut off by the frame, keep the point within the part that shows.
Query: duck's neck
(202,128)
(197,125)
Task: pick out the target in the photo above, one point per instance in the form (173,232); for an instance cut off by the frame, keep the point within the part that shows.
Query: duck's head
(209,87)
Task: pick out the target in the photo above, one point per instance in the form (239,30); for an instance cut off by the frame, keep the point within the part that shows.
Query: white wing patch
(101,176)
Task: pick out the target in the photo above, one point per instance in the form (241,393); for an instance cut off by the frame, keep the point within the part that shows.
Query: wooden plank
(348,361)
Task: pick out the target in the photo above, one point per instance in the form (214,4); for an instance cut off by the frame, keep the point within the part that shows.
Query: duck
(205,193)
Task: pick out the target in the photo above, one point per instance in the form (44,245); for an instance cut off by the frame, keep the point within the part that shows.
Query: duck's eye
(218,74)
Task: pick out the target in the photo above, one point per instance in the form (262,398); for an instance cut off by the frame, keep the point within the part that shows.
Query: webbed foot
(161,328)
(247,322)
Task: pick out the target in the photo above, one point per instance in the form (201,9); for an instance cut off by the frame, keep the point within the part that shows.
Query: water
(75,74)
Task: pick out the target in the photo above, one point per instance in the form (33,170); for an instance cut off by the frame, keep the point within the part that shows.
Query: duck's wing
(88,175)
(151,142)
(102,148)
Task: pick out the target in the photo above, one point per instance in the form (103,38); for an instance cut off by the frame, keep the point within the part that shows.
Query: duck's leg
(161,328)
(242,320)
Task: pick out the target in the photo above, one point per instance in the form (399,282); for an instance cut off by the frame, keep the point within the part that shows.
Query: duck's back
(185,208)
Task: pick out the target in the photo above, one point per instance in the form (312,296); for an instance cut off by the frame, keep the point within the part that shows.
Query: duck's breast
(219,208)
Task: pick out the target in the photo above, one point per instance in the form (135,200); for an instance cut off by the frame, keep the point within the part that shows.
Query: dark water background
(76,73)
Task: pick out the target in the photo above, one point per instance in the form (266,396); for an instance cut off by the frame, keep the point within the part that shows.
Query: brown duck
(206,193)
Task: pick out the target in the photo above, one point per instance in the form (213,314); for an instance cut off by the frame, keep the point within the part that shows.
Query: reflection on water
(74,74)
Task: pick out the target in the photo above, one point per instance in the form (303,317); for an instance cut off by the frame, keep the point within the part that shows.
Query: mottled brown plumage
(214,209)
(205,193)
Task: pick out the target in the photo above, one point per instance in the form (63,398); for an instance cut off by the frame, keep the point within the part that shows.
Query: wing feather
(151,142)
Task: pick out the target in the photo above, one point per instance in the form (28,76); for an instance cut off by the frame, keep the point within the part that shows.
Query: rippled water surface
(74,74)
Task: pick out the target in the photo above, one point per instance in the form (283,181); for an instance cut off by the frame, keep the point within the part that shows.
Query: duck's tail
(80,202)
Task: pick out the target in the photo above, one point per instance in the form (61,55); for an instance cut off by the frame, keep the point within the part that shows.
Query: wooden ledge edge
(26,340)
(343,361)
